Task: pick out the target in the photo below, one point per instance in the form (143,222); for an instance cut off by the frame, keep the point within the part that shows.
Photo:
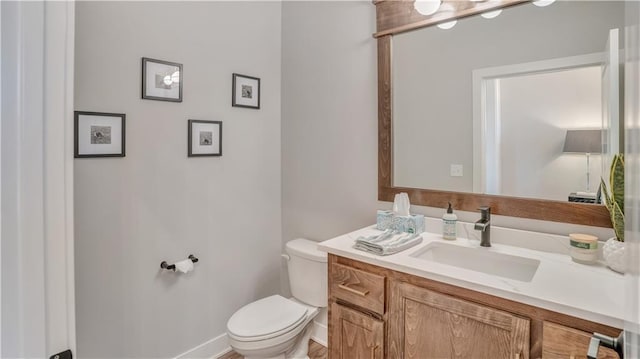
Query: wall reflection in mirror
(488,105)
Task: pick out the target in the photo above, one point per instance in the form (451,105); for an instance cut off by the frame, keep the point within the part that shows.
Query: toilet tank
(307,267)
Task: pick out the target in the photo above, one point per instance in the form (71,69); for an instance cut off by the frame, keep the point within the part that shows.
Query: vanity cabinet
(427,324)
(376,312)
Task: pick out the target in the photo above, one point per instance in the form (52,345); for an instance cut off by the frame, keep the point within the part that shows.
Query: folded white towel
(388,242)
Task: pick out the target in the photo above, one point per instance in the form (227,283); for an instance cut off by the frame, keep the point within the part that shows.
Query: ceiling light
(427,7)
(491,14)
(543,3)
(447,25)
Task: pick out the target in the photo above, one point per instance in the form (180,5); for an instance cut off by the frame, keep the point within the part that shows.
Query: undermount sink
(480,260)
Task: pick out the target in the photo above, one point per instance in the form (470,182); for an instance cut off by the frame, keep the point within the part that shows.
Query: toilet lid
(266,318)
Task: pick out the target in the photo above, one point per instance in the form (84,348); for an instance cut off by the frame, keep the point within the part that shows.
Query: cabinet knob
(354,291)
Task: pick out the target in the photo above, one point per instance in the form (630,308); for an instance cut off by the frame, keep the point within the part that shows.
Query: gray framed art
(204,138)
(245,92)
(99,134)
(161,80)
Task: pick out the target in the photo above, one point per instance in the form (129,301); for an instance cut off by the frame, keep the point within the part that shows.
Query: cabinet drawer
(563,342)
(357,287)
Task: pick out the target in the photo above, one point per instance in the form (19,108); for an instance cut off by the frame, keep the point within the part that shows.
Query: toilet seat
(266,318)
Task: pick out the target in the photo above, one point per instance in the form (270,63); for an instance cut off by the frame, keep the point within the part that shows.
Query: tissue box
(384,220)
(411,224)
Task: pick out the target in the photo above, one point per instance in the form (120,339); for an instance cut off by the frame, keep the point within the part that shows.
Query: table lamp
(583,142)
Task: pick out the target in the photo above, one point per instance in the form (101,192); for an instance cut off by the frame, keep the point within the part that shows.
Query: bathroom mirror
(492,130)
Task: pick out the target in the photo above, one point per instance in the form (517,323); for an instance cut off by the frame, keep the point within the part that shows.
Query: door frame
(36,176)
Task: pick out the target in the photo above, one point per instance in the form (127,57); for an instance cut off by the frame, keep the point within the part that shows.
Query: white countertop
(591,292)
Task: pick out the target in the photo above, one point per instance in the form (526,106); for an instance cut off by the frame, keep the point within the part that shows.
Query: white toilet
(277,327)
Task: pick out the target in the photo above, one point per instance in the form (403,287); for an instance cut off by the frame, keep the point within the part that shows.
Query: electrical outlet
(456,170)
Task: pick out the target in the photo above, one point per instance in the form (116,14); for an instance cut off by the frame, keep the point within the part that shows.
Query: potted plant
(613,249)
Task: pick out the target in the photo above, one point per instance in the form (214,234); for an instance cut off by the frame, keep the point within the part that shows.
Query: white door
(36,178)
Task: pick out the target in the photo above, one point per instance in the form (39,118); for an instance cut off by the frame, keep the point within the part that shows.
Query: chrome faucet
(484,225)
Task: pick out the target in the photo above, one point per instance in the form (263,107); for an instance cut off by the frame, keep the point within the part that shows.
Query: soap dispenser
(449,220)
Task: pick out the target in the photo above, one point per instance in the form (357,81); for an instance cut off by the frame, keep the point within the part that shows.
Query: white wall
(329,118)
(156,204)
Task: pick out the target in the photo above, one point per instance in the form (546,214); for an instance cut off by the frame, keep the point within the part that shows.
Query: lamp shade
(583,141)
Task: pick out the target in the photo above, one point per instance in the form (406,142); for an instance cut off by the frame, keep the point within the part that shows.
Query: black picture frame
(169,65)
(216,151)
(239,82)
(79,148)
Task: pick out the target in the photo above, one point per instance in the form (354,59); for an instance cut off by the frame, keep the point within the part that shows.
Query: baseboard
(219,346)
(319,333)
(212,348)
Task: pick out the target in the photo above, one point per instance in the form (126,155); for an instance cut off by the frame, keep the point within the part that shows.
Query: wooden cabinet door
(424,324)
(354,335)
(560,342)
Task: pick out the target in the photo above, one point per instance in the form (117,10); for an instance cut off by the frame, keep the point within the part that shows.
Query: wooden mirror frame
(398,16)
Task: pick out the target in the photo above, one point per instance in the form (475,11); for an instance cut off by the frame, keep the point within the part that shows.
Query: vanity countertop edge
(590,292)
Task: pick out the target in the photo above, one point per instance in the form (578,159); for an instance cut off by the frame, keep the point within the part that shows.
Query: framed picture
(205,138)
(246,91)
(99,134)
(161,80)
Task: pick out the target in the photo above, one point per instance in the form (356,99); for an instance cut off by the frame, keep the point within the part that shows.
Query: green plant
(614,200)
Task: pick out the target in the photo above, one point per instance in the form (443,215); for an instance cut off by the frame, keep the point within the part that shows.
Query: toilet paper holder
(167,266)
